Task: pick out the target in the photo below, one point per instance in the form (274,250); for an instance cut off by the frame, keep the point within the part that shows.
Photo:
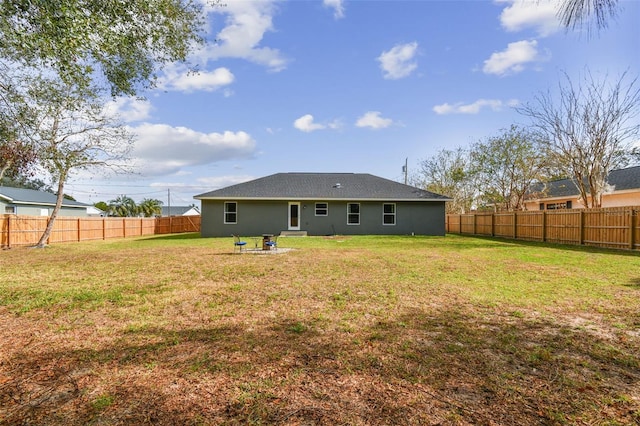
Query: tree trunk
(47,232)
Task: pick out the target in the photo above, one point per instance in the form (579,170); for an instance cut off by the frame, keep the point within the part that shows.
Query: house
(322,204)
(180,211)
(29,202)
(623,190)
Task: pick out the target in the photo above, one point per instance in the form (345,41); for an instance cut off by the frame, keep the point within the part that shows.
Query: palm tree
(123,206)
(576,13)
(150,207)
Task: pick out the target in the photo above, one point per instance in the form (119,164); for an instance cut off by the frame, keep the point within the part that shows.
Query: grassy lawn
(343,330)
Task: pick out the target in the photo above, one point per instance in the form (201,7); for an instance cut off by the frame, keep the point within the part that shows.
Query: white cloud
(540,15)
(306,124)
(373,120)
(216,182)
(513,58)
(161,149)
(129,109)
(337,6)
(473,108)
(399,61)
(180,79)
(245,26)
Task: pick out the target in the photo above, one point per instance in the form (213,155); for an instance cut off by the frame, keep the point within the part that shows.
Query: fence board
(504,225)
(610,227)
(26,230)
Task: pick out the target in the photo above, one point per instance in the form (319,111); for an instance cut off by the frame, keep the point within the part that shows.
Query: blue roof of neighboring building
(30,196)
(323,186)
(178,210)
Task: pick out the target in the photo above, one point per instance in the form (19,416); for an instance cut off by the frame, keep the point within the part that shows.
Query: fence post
(124,228)
(632,228)
(581,238)
(475,221)
(544,226)
(104,228)
(9,231)
(515,226)
(460,223)
(79,230)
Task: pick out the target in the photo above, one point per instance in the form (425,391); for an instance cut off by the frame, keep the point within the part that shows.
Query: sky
(356,86)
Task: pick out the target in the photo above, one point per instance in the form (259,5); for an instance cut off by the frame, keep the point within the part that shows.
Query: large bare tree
(70,131)
(588,128)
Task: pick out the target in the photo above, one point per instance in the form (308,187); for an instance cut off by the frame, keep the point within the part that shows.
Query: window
(322,209)
(10,209)
(389,214)
(353,214)
(231,212)
(559,206)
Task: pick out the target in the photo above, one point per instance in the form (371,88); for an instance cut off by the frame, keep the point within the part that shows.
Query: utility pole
(405,169)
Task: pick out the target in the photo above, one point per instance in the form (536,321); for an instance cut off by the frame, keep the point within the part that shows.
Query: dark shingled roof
(323,186)
(30,196)
(620,180)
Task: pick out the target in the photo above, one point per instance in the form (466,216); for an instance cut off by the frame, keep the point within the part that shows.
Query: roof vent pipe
(337,185)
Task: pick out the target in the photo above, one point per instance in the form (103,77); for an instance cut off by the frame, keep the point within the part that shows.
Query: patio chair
(273,243)
(238,243)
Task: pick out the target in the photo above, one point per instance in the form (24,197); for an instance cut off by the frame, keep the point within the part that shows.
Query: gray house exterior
(322,204)
(28,202)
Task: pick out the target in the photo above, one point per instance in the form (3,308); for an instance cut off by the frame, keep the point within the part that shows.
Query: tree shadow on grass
(173,237)
(476,241)
(634,283)
(417,367)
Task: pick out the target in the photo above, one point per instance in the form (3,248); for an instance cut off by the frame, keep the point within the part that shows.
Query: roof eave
(34,203)
(230,198)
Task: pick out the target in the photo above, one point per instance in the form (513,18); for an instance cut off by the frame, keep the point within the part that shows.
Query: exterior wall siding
(615,199)
(271,217)
(34,210)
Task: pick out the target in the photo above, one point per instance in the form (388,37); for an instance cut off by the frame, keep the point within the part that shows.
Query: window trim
(10,209)
(225,212)
(385,214)
(349,213)
(326,209)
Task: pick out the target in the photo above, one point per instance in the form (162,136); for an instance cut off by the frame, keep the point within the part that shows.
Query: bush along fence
(27,230)
(608,227)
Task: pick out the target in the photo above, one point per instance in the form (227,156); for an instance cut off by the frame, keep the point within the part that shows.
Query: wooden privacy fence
(611,227)
(27,230)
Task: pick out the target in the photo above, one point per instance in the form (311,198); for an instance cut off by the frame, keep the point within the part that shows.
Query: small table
(266,238)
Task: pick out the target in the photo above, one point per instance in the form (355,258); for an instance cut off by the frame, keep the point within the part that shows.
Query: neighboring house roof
(180,211)
(322,186)
(619,180)
(32,197)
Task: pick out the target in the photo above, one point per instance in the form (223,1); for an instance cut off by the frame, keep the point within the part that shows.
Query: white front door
(294,216)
